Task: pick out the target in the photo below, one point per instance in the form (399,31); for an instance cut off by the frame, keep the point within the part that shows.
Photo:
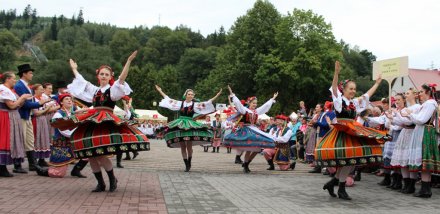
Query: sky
(388,28)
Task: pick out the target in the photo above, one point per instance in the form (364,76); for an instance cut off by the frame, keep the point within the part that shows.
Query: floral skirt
(185,129)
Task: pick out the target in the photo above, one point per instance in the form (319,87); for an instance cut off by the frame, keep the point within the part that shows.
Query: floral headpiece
(250,99)
(342,84)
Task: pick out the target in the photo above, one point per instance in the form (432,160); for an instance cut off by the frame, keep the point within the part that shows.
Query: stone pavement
(155,183)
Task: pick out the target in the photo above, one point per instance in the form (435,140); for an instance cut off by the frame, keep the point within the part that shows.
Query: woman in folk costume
(11,130)
(403,145)
(185,132)
(311,133)
(349,143)
(216,126)
(99,132)
(424,155)
(61,150)
(281,137)
(41,127)
(247,136)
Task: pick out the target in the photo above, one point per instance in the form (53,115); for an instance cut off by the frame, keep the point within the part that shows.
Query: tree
(27,13)
(54,29)
(80,19)
(122,44)
(73,21)
(9,44)
(34,18)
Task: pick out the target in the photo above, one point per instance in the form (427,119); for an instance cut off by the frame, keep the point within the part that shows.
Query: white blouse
(426,111)
(65,133)
(84,90)
(199,107)
(6,94)
(361,103)
(260,110)
(278,137)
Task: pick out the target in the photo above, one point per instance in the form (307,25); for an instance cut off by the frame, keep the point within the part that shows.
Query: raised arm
(375,86)
(74,67)
(160,91)
(336,78)
(266,107)
(216,96)
(124,72)
(238,106)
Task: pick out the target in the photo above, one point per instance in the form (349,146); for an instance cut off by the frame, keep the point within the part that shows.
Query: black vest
(347,111)
(103,99)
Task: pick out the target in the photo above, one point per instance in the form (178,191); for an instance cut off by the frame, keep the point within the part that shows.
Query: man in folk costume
(25,72)
(282,134)
(216,126)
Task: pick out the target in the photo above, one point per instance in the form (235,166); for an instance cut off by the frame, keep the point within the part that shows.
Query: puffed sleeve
(266,107)
(204,107)
(337,100)
(82,89)
(6,94)
(361,103)
(118,90)
(65,133)
(240,108)
(170,104)
(285,138)
(425,113)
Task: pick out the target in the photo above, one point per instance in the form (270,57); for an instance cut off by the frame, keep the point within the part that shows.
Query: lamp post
(154,103)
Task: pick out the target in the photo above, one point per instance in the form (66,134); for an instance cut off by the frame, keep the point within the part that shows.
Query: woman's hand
(337,67)
(275,95)
(230,90)
(132,56)
(73,65)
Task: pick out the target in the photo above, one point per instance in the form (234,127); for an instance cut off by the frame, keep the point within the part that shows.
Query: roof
(419,77)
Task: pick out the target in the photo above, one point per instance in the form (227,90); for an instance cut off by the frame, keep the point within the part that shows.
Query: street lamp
(154,103)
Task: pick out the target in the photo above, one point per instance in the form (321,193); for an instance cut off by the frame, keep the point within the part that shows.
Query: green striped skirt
(185,129)
(430,151)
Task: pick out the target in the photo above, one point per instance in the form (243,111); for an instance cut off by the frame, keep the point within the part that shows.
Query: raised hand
(337,67)
(230,90)
(158,88)
(379,79)
(73,65)
(275,95)
(132,56)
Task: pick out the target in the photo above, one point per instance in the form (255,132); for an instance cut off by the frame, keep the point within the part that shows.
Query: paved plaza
(155,183)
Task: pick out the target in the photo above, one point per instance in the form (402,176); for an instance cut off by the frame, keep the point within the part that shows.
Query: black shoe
(358,177)
(189,162)
(31,160)
(186,165)
(406,182)
(213,150)
(18,169)
(411,187)
(342,194)
(101,185)
(386,180)
(113,181)
(42,163)
(4,171)
(42,171)
(393,181)
(271,166)
(76,171)
(135,154)
(238,160)
(398,183)
(425,190)
(119,165)
(218,149)
(315,169)
(246,167)
(292,165)
(330,186)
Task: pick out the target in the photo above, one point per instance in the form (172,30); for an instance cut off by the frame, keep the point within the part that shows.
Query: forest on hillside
(262,52)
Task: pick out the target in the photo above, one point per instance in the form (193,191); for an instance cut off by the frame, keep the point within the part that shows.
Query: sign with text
(391,68)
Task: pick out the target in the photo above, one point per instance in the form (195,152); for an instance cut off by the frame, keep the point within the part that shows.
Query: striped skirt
(41,136)
(100,132)
(349,143)
(430,157)
(388,149)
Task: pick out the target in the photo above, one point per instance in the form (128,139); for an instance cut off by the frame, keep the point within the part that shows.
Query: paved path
(155,183)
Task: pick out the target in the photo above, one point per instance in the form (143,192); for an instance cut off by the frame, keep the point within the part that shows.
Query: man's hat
(24,68)
(282,117)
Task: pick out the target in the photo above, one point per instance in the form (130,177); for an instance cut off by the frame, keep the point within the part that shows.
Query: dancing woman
(99,132)
(248,137)
(349,143)
(185,132)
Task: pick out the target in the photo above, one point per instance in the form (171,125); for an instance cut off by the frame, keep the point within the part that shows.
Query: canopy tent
(263,117)
(143,114)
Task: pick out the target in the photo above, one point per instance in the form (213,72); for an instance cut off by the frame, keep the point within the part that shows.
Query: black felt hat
(24,68)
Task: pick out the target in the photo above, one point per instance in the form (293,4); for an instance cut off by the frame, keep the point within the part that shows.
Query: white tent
(150,115)
(263,117)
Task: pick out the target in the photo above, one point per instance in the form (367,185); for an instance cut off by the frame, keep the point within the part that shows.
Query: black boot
(293,165)
(18,168)
(101,185)
(228,149)
(127,156)
(330,186)
(186,165)
(238,160)
(393,181)
(398,183)
(358,177)
(213,149)
(246,167)
(425,191)
(218,149)
(386,180)
(411,187)
(315,169)
(4,171)
(189,163)
(42,171)
(42,163)
(76,171)
(31,160)
(113,181)
(271,166)
(342,194)
(135,154)
(406,183)
(119,160)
